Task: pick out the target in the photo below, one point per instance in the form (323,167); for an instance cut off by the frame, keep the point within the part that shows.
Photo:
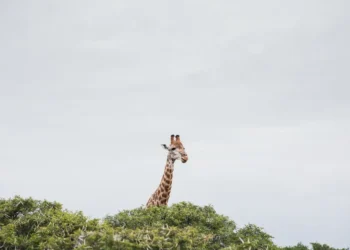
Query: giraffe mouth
(184,159)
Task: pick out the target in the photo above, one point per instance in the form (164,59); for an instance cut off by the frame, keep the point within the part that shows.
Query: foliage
(299,246)
(182,225)
(315,246)
(32,224)
(318,246)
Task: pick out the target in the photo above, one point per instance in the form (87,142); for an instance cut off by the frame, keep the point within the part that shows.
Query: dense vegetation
(32,224)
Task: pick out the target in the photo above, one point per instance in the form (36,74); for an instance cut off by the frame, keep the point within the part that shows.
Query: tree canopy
(26,223)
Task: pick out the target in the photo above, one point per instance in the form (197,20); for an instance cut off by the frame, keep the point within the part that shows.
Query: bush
(315,246)
(32,224)
(182,225)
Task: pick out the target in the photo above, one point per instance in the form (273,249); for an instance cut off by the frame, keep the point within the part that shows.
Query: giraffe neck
(166,182)
(162,194)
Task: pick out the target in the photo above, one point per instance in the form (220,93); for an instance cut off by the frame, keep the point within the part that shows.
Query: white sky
(258,90)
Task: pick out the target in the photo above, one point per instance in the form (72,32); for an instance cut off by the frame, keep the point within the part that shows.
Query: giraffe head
(176,150)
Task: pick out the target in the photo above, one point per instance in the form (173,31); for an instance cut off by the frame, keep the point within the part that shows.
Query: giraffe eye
(173,149)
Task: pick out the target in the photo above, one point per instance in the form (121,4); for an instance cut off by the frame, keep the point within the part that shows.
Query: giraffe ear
(165,146)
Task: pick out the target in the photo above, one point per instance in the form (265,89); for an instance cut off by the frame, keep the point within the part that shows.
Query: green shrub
(32,224)
(27,224)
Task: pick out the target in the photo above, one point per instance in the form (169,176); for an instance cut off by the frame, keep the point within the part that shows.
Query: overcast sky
(258,90)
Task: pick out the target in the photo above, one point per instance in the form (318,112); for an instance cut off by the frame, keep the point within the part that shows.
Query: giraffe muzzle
(184,159)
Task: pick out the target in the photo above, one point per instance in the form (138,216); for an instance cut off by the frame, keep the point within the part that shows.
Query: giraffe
(176,151)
